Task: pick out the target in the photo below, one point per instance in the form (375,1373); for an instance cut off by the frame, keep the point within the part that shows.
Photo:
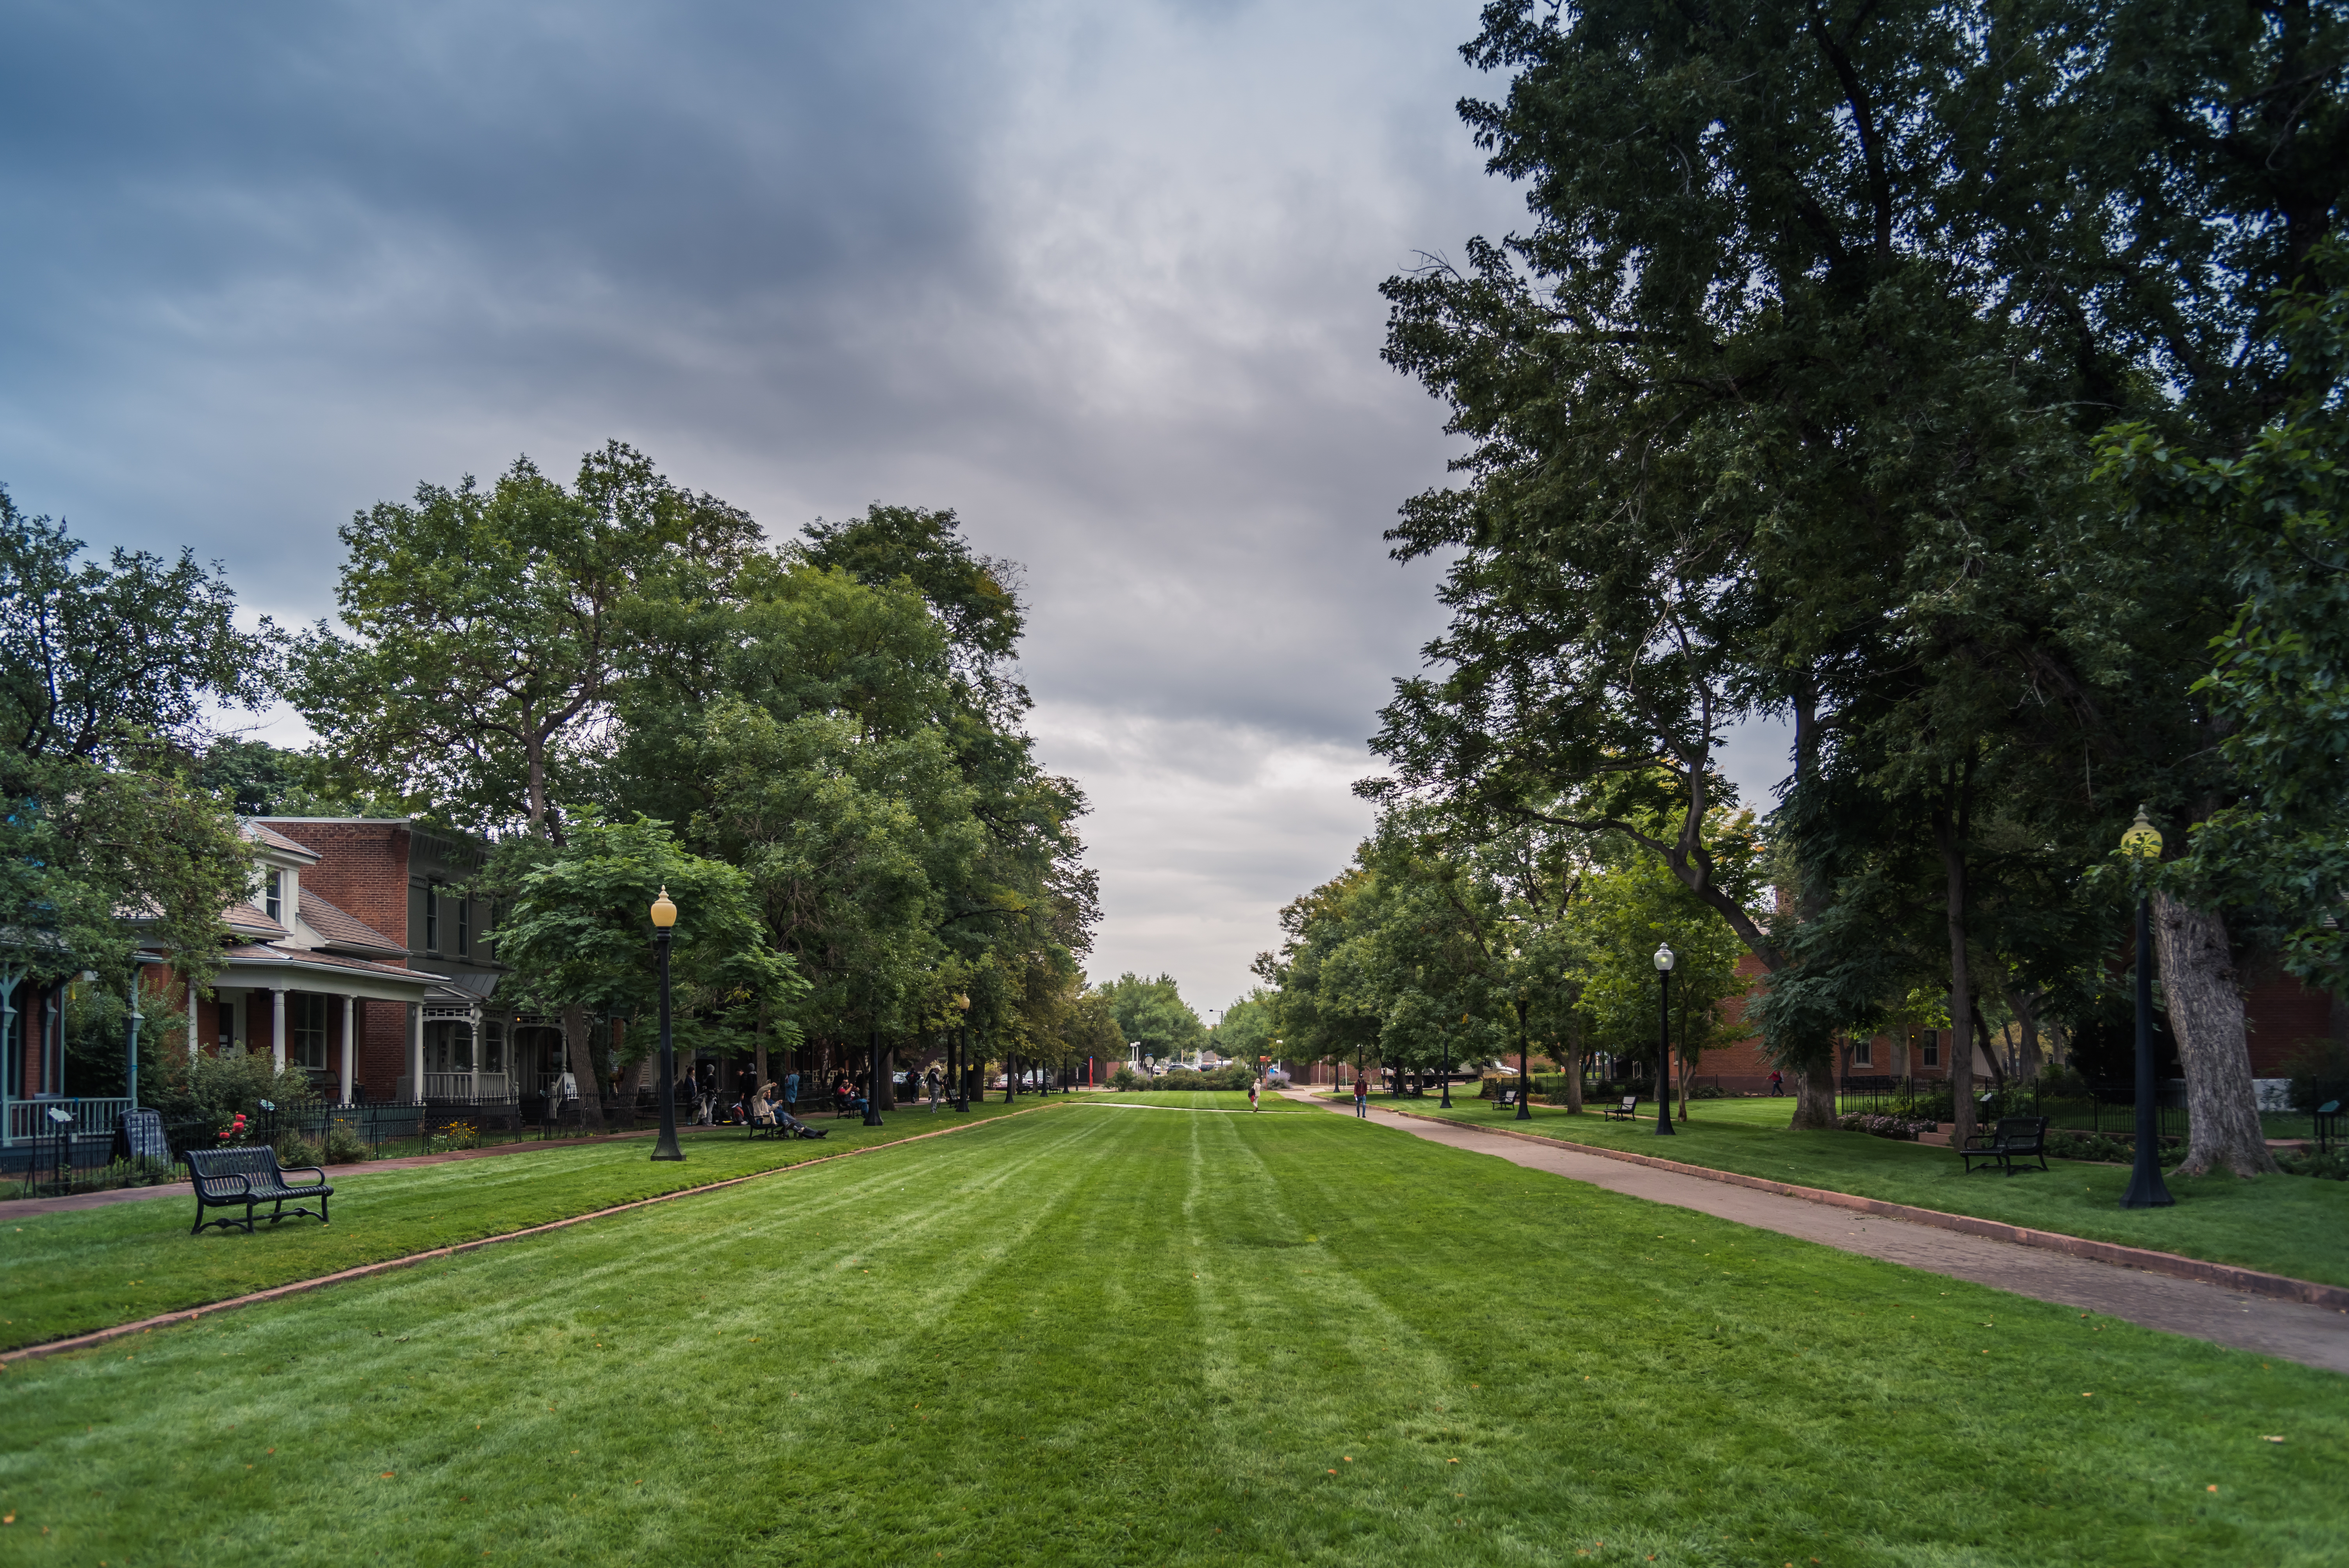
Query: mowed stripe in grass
(73,1270)
(1084,1338)
(2290,1225)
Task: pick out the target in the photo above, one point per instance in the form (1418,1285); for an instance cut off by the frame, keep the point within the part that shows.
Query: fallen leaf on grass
(2268,1439)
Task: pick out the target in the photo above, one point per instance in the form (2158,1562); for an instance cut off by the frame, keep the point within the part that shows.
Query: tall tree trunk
(1989,1050)
(580,1052)
(1573,1064)
(1809,1058)
(1949,837)
(2206,1014)
(1815,1094)
(2024,1006)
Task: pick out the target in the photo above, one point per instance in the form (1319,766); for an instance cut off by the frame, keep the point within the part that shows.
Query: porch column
(194,1048)
(473,1061)
(350,1009)
(8,1086)
(278,1027)
(416,1052)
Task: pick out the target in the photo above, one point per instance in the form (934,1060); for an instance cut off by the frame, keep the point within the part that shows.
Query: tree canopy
(1788,402)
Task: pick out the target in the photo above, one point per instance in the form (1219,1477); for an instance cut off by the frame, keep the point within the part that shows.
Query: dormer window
(274,896)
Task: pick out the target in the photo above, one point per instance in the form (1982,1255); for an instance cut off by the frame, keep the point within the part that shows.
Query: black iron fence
(2108,1108)
(77,1162)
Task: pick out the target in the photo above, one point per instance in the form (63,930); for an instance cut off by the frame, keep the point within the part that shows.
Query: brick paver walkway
(2311,1335)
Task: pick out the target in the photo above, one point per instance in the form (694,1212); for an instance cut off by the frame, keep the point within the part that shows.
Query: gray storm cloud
(1103,279)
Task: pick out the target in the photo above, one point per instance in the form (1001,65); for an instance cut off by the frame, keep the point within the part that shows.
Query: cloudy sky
(1101,278)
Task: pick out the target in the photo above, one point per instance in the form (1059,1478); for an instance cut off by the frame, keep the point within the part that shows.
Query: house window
(1933,1047)
(431,917)
(1863,1054)
(464,925)
(273,903)
(308,1022)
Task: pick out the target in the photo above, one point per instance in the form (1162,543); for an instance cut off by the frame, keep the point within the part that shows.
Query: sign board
(140,1136)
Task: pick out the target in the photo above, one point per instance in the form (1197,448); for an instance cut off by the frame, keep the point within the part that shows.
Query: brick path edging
(2250,1282)
(189,1315)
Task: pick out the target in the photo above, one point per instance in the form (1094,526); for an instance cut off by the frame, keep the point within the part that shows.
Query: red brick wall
(365,872)
(382,1054)
(1739,1066)
(2281,1014)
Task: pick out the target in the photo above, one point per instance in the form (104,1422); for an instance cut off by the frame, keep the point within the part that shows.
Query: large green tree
(578,938)
(1783,403)
(111,673)
(1150,1012)
(489,631)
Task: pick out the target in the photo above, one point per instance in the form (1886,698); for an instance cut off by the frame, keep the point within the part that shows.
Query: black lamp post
(1664,1042)
(664,918)
(872,1078)
(960,1054)
(2142,843)
(1524,1078)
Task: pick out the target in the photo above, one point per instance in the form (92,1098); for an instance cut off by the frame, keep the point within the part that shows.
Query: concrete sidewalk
(2293,1331)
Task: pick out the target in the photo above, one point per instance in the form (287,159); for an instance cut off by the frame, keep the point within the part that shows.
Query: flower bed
(1899,1127)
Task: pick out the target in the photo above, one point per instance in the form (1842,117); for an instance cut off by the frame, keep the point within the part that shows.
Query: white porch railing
(465,1086)
(29,1120)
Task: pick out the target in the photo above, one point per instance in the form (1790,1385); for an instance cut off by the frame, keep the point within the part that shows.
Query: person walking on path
(933,1082)
(1777,1084)
(1362,1097)
(791,1093)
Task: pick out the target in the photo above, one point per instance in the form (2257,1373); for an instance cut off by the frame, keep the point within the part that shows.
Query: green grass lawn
(1197,1099)
(2286,1224)
(1095,1337)
(68,1273)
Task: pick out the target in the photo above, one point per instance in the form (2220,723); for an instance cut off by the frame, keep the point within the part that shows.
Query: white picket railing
(29,1120)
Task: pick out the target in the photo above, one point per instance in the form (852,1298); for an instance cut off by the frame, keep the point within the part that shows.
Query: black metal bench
(2016,1138)
(1627,1111)
(241,1177)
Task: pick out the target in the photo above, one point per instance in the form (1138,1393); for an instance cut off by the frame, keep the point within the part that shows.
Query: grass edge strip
(2251,1281)
(382,1266)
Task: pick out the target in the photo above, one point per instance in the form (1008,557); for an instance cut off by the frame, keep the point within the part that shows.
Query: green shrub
(1708,1091)
(2063,1083)
(2330,1166)
(294,1150)
(2319,1071)
(185,1089)
(2066,1144)
(1125,1080)
(1231,1075)
(344,1146)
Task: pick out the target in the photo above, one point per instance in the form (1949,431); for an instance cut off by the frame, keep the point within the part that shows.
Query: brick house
(363,963)
(2280,1011)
